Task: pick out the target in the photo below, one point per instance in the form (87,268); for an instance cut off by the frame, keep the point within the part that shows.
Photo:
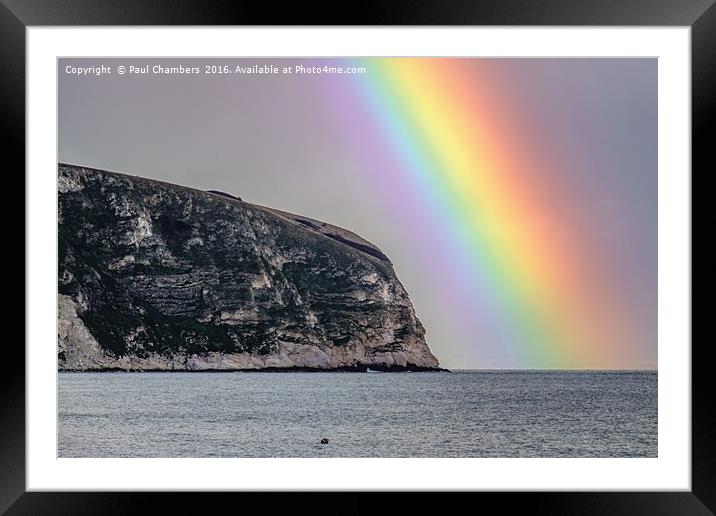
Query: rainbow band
(508,237)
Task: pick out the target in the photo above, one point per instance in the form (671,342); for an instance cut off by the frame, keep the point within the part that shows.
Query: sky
(516,198)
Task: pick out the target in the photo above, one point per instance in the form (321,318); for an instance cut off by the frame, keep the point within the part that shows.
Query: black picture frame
(17,15)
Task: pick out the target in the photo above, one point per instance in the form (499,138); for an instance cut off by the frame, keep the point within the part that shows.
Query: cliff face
(155,276)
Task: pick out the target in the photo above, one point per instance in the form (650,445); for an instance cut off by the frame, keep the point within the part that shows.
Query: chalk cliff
(156,276)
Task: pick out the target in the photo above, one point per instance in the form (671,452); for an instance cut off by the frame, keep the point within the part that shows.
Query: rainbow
(450,159)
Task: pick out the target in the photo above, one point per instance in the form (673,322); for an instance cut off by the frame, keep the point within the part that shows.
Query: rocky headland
(156,276)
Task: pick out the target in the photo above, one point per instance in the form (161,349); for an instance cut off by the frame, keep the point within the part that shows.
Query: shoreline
(354,369)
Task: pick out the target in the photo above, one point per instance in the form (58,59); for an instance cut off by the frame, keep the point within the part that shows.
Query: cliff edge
(156,276)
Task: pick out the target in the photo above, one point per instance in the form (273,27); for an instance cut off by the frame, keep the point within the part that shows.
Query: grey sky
(273,141)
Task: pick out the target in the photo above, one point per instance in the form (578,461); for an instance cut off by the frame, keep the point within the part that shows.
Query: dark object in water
(324,441)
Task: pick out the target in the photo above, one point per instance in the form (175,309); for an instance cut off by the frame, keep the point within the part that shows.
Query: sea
(419,414)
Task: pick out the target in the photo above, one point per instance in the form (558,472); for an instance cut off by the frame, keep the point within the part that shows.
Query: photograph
(357,257)
(420,248)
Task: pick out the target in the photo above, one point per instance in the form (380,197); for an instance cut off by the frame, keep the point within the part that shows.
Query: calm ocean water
(459,414)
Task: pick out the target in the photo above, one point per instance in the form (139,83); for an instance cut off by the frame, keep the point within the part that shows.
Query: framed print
(435,250)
